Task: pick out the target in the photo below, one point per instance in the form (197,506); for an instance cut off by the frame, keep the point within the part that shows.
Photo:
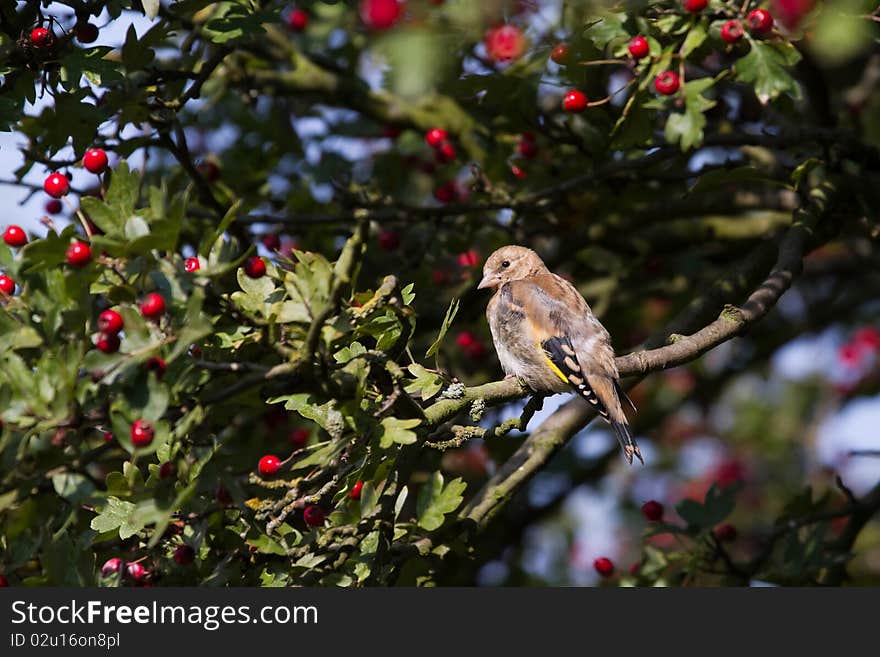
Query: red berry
(191,264)
(695,6)
(560,54)
(3,582)
(468,259)
(255,267)
(107,342)
(867,337)
(56,185)
(446,192)
(85,32)
(7,285)
(298,20)
(527,147)
(732,31)
(389,240)
(355,492)
(725,533)
(209,170)
(574,101)
(157,365)
(79,254)
(504,43)
(791,12)
(445,152)
(667,83)
(299,437)
(271,241)
(380,14)
(53,206)
(604,566)
(222,495)
(42,38)
(110,321)
(136,571)
(639,47)
(152,305)
(435,136)
(184,555)
(517,171)
(142,433)
(109,437)
(760,21)
(314,515)
(652,510)
(466,340)
(15,236)
(635,568)
(111,566)
(95,160)
(167,469)
(269,465)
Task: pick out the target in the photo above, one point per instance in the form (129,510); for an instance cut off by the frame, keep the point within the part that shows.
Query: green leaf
(686,128)
(719,503)
(118,514)
(694,39)
(447,322)
(396,431)
(721,177)
(766,67)
(436,501)
(426,383)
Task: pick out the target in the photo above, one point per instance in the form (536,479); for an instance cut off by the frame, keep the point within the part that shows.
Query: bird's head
(510,263)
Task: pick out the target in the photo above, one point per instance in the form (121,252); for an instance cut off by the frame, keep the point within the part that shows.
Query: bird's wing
(576,347)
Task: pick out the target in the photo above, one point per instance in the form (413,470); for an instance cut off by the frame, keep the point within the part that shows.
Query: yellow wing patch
(558,372)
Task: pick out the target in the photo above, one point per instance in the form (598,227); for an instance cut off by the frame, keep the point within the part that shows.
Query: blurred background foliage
(297,133)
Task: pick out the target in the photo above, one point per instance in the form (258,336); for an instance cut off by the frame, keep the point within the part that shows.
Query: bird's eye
(506,263)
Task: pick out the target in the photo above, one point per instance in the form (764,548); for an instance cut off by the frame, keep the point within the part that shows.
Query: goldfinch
(546,335)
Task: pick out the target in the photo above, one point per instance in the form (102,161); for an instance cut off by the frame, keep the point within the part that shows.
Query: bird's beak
(488,281)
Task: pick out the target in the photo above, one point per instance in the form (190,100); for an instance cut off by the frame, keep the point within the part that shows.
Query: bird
(546,335)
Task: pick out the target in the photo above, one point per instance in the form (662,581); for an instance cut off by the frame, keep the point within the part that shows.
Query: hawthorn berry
(604,566)
(446,192)
(95,160)
(504,43)
(53,206)
(639,47)
(184,555)
(42,37)
(142,433)
(85,32)
(107,342)
(156,365)
(575,101)
(468,259)
(867,337)
(560,54)
(111,566)
(445,152)
(269,465)
(435,136)
(527,146)
(355,492)
(167,469)
(15,236)
(7,285)
(56,185)
(255,267)
(136,571)
(298,20)
(389,240)
(380,14)
(517,172)
(152,305)
(191,265)
(313,515)
(732,31)
(652,510)
(695,6)
(667,83)
(299,437)
(271,241)
(110,321)
(725,533)
(108,437)
(78,254)
(760,21)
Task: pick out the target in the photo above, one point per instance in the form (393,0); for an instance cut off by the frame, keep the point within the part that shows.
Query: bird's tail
(626,440)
